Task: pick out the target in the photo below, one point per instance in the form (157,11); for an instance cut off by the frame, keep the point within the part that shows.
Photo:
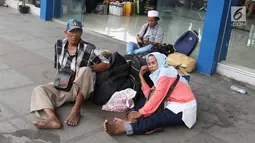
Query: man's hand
(101,67)
(139,39)
(152,43)
(146,42)
(143,70)
(140,42)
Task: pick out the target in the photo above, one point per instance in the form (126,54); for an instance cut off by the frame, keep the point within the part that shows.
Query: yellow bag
(105,52)
(181,60)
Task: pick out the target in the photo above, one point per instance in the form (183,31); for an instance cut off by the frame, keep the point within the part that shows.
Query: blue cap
(73,24)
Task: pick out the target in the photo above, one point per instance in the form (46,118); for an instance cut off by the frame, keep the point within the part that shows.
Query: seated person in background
(84,59)
(151,35)
(180,108)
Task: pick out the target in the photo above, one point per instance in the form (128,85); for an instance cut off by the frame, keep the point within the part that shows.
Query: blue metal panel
(46,9)
(214,26)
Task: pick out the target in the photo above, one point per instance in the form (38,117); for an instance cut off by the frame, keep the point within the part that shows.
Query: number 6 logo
(238,14)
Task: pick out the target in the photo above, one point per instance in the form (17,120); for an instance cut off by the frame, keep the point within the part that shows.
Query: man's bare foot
(50,123)
(114,129)
(73,118)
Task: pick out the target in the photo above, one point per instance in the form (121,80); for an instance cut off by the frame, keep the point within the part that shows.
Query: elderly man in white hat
(151,35)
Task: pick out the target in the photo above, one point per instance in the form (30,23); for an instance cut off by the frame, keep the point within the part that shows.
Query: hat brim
(75,27)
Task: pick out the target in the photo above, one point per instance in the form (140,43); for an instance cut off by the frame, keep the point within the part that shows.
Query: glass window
(241,49)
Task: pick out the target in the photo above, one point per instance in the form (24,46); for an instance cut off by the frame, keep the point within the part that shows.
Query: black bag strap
(145,31)
(171,89)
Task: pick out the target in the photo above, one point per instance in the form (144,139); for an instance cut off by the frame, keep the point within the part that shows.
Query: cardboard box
(183,73)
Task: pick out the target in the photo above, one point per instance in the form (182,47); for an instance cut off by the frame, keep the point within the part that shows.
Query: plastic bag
(120,101)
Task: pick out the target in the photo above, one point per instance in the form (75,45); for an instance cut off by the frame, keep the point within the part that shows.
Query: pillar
(214,36)
(50,9)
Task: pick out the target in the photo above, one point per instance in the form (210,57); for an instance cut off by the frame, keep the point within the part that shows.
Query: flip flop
(153,131)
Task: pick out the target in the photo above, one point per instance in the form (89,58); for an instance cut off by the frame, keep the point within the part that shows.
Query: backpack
(186,43)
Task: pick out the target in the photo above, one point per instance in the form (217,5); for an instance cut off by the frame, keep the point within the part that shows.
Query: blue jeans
(132,48)
(156,120)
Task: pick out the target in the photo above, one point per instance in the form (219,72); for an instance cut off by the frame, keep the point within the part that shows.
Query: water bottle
(237,89)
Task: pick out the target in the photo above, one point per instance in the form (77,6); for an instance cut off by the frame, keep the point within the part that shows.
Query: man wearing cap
(151,35)
(79,56)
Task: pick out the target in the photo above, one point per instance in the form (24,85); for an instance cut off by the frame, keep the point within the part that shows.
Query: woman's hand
(143,70)
(134,116)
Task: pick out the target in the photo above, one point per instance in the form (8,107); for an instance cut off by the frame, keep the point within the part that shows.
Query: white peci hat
(153,13)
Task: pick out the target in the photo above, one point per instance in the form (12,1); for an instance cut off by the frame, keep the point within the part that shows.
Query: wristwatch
(92,69)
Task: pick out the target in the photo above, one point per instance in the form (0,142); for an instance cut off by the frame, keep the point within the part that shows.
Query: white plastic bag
(120,101)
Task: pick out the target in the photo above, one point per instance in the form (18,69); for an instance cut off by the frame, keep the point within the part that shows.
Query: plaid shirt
(86,55)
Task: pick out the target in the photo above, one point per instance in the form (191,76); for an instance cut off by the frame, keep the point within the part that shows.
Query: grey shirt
(153,34)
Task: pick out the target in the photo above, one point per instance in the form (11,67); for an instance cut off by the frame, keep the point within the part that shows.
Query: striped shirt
(87,55)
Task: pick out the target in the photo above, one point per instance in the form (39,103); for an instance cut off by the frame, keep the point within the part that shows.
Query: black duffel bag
(136,62)
(112,80)
(165,49)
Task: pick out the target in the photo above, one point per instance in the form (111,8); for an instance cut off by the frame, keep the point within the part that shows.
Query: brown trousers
(47,96)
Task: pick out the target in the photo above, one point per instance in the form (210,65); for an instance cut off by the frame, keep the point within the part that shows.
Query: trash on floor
(239,90)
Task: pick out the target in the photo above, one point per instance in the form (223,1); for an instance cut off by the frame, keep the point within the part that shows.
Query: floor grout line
(13,117)
(18,87)
(83,136)
(17,114)
(6,69)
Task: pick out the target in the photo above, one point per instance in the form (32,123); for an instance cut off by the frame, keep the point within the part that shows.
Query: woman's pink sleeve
(151,106)
(146,90)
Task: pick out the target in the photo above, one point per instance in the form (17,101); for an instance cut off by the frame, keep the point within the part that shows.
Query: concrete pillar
(46,9)
(215,37)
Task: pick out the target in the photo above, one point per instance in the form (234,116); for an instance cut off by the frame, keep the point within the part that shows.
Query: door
(69,9)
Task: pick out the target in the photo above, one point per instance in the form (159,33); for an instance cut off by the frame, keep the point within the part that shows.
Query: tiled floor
(126,28)
(174,21)
(223,116)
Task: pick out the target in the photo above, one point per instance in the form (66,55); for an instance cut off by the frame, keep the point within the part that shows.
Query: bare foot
(119,121)
(114,129)
(73,118)
(51,123)
(109,128)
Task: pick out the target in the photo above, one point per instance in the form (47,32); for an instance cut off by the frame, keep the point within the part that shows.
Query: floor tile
(35,44)
(25,59)
(18,99)
(12,79)
(40,74)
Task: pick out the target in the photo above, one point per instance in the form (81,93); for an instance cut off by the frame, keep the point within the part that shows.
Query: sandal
(153,131)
